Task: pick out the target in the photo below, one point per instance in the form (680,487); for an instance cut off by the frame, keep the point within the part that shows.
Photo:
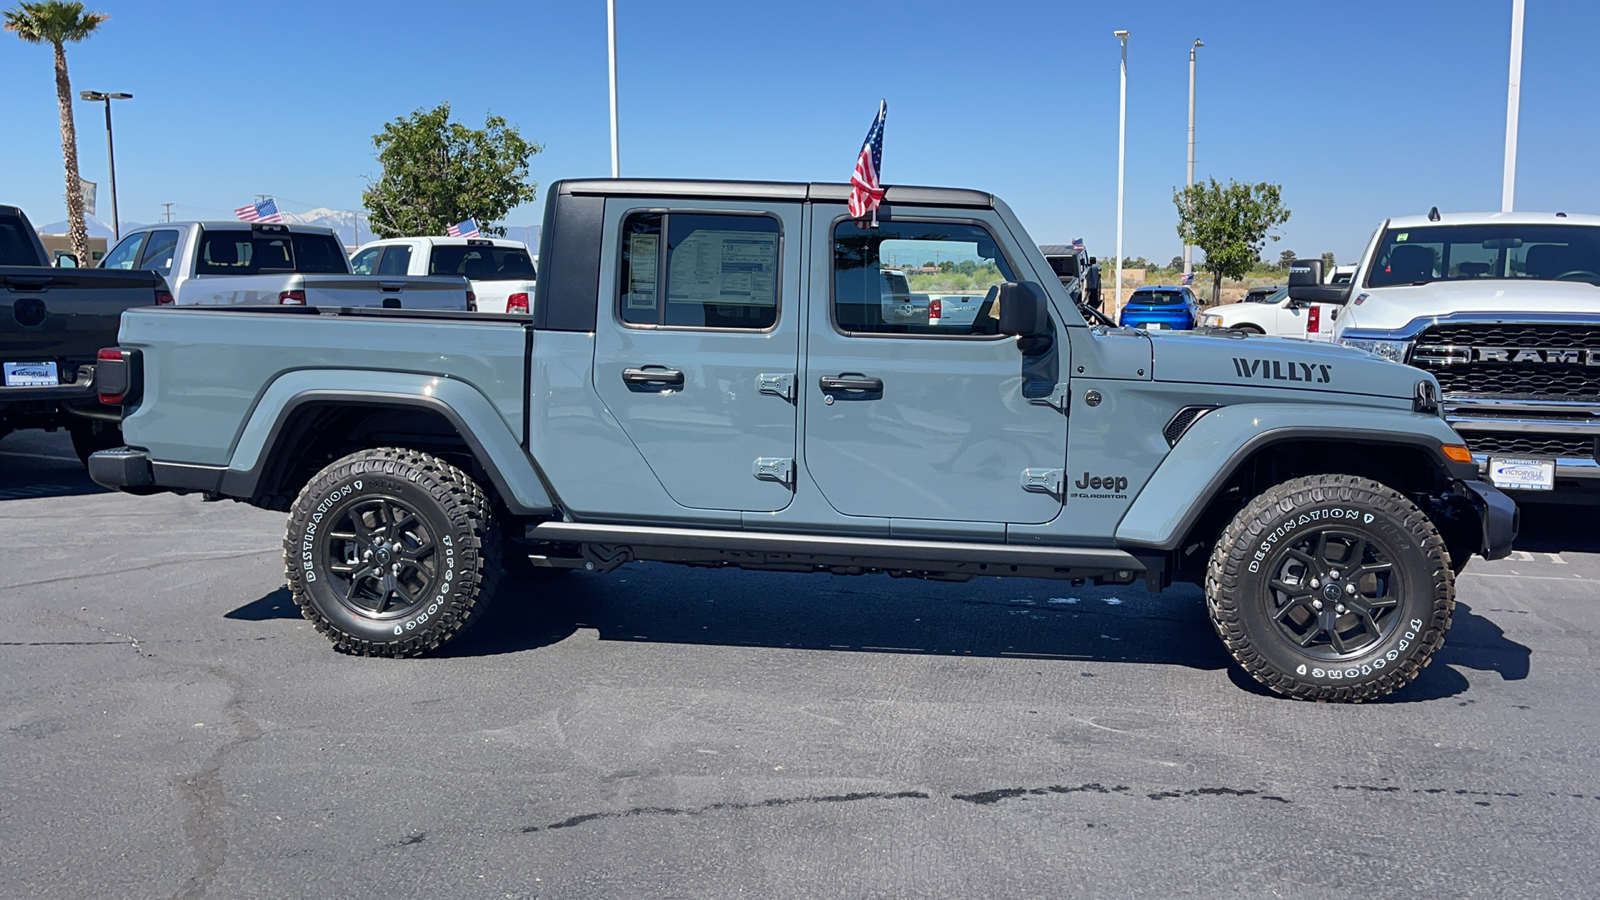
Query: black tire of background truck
(1254,582)
(90,436)
(417,513)
(1249,329)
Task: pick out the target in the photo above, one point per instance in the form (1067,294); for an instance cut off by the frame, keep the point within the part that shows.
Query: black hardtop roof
(910,195)
(1060,250)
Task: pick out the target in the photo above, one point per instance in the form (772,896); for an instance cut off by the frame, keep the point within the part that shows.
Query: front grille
(1526,380)
(1566,446)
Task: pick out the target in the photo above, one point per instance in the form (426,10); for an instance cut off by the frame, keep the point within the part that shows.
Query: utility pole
(1122,156)
(1508,185)
(611,35)
(111,153)
(168,213)
(1188,251)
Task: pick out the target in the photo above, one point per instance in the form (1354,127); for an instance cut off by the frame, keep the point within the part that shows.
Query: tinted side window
(318,254)
(362,263)
(225,253)
(894,278)
(396,259)
(158,251)
(126,254)
(16,247)
(712,271)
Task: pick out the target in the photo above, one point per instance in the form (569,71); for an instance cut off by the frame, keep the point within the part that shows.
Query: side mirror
(1025,314)
(66,261)
(1305,284)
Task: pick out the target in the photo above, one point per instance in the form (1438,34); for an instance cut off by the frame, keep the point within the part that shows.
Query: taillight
(472,302)
(163,298)
(517,303)
(935,311)
(292,298)
(111,375)
(1314,319)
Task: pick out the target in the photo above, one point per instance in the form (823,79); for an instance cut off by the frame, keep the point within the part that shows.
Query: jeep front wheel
(1331,587)
(391,552)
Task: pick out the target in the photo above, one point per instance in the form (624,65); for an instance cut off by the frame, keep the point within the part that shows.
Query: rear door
(697,344)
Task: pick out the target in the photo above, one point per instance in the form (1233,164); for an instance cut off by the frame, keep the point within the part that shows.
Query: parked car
(700,401)
(1504,310)
(1167,307)
(1069,263)
(501,272)
(1271,311)
(258,263)
(53,323)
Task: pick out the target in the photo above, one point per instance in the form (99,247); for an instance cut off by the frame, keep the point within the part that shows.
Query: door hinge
(1059,398)
(1043,481)
(779,385)
(774,468)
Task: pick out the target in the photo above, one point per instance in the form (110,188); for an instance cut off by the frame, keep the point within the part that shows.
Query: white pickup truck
(270,264)
(501,271)
(1504,309)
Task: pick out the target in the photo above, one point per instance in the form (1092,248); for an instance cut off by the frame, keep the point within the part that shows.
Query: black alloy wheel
(382,558)
(1335,593)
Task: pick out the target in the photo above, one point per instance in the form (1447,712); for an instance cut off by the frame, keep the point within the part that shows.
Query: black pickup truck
(52,324)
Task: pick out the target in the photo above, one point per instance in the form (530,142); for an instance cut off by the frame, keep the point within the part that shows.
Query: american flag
(265,211)
(866,190)
(1077,243)
(1188,279)
(467,229)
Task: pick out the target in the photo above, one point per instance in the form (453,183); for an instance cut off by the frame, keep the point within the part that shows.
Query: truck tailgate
(398,291)
(57,319)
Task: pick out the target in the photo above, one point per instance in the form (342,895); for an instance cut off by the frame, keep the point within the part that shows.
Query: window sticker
(724,268)
(642,250)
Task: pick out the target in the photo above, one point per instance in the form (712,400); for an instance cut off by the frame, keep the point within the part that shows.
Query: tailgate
(401,292)
(52,321)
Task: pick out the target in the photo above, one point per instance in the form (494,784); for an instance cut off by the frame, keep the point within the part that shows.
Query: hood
(1217,356)
(1393,308)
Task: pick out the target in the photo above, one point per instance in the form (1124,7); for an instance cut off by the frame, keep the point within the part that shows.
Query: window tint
(319,254)
(482,263)
(1159,298)
(714,271)
(1468,252)
(16,247)
(158,251)
(1063,266)
(361,264)
(891,279)
(396,259)
(240,252)
(126,254)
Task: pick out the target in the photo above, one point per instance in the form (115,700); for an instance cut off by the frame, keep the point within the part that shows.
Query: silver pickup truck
(271,264)
(707,378)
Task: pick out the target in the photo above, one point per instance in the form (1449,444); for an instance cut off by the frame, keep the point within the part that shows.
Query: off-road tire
(450,510)
(1257,547)
(90,436)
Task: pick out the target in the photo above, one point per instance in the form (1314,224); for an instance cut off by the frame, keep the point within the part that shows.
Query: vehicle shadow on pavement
(1554,528)
(38,464)
(1474,642)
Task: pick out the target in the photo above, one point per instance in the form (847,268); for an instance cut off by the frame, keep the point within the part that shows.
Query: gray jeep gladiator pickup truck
(53,322)
(708,378)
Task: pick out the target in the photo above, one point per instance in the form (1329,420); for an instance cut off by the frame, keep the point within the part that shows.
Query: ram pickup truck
(269,263)
(1504,310)
(500,271)
(53,322)
(708,378)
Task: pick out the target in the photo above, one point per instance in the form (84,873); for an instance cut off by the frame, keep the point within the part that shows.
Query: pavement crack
(772,803)
(144,568)
(204,799)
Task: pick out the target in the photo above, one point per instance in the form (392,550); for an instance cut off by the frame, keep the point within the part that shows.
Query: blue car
(1162,307)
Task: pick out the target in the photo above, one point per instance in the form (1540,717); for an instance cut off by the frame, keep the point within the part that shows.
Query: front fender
(470,412)
(1208,453)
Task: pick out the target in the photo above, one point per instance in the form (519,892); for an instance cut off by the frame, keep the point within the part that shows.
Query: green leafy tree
(1176,264)
(437,172)
(1285,258)
(1229,223)
(57,23)
(1328,262)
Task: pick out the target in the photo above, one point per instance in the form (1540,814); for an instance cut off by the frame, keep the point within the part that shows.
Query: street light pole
(111,154)
(611,36)
(1508,185)
(1122,153)
(1188,251)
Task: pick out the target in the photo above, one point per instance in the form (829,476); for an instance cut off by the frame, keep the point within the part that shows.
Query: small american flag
(265,211)
(467,229)
(1188,279)
(1077,243)
(866,189)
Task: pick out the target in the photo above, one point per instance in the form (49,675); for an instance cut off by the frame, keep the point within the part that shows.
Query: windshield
(1157,298)
(1484,252)
(1266,295)
(1066,266)
(481,263)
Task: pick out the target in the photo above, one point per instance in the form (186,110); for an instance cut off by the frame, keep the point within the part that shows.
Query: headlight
(1210,319)
(1394,351)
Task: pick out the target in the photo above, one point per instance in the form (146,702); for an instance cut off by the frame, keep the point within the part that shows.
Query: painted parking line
(1525,556)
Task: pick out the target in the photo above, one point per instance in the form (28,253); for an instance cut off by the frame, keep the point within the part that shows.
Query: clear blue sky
(1360,109)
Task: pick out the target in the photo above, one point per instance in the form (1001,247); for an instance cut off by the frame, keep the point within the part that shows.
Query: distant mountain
(96,227)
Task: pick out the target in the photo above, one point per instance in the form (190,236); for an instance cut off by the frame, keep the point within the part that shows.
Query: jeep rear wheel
(1331,587)
(391,552)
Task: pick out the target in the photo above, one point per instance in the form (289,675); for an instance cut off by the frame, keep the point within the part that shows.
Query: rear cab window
(482,262)
(252,252)
(16,245)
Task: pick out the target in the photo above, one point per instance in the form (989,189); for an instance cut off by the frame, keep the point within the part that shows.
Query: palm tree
(56,22)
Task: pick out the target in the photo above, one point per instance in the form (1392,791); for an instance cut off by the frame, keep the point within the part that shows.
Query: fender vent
(1181,421)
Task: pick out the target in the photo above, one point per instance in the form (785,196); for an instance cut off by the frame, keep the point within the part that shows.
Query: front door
(916,419)
(697,346)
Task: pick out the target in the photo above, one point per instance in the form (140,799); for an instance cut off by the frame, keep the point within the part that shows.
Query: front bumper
(1498,516)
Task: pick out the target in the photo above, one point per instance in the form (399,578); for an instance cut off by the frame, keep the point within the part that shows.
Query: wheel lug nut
(1316,604)
(1349,589)
(1334,574)
(1315,583)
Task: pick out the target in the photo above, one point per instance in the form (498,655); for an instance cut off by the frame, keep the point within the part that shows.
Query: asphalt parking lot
(171,727)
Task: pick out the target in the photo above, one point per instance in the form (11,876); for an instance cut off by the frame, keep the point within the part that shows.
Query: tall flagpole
(1122,151)
(611,34)
(1188,251)
(1508,186)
